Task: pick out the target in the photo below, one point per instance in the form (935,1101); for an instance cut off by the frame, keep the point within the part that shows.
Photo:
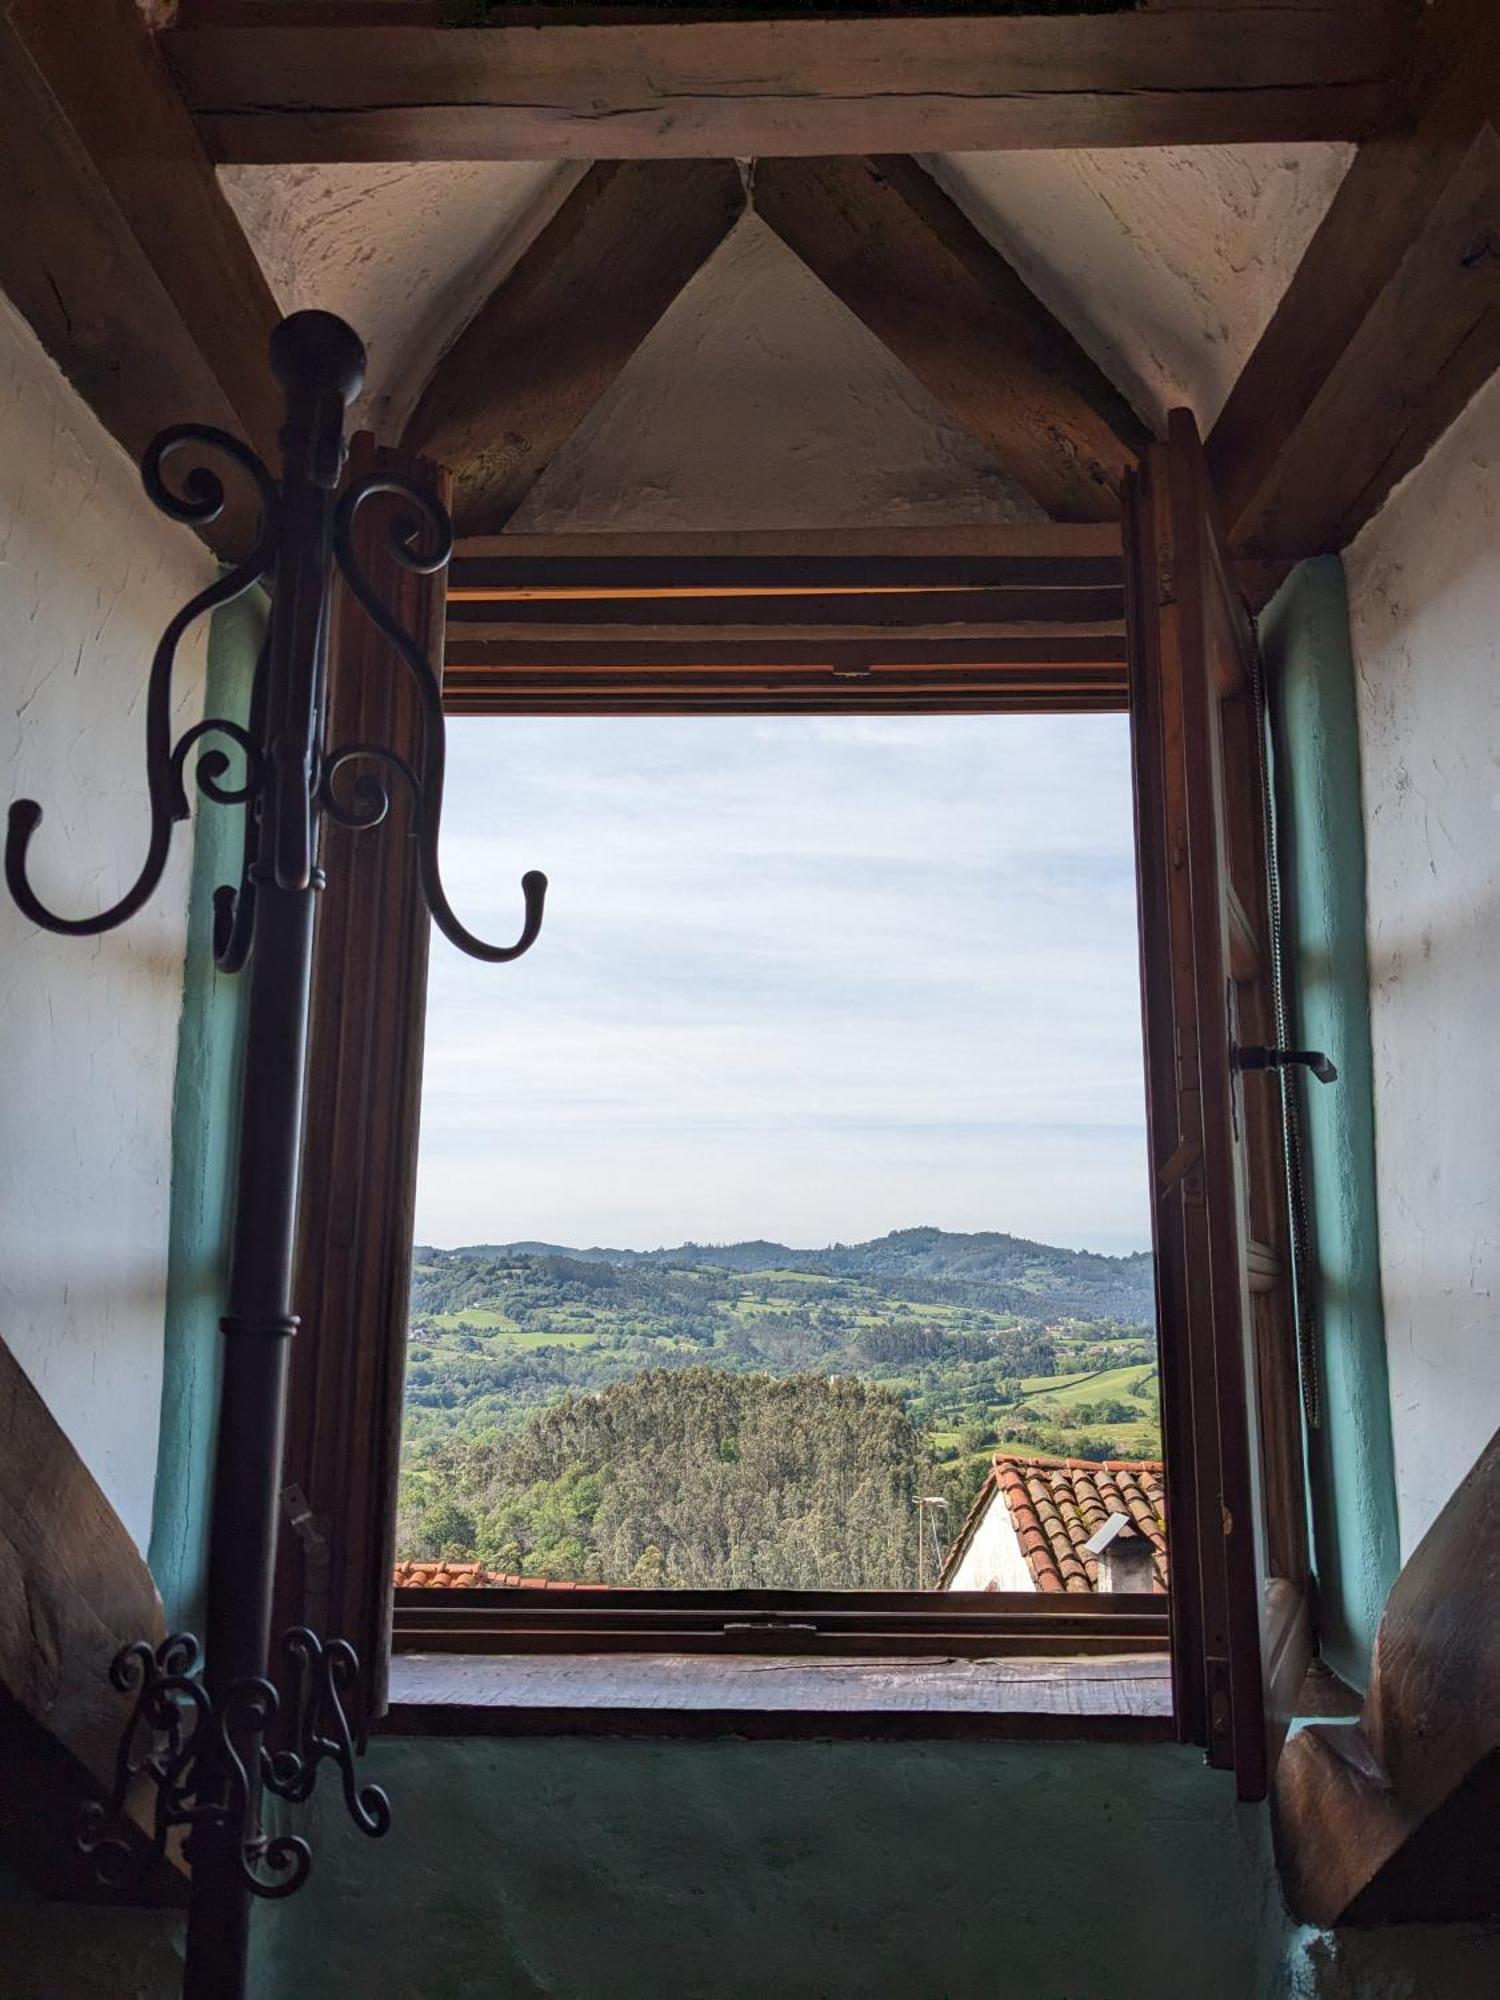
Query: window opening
(786,1227)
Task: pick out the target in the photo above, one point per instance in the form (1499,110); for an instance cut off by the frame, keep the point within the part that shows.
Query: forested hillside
(560,1403)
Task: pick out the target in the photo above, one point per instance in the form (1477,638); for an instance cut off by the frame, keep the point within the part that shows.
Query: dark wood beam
(883,236)
(562,324)
(73,1591)
(117,244)
(838,655)
(382,82)
(1390,324)
(1022,555)
(1391,1819)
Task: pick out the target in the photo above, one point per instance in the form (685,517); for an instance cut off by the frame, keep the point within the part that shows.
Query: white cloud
(803,978)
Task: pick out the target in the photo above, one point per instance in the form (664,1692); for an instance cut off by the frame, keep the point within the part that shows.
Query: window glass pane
(799,1168)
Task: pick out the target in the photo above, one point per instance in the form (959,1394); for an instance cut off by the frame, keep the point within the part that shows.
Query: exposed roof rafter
(308,80)
(1391,322)
(559,328)
(886,239)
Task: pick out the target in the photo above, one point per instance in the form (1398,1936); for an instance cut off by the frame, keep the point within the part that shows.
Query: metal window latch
(1312,1059)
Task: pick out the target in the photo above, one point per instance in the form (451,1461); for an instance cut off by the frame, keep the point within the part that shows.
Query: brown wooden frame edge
(771,1725)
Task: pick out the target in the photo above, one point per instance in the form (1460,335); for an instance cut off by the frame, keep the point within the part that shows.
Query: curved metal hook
(402,544)
(201,500)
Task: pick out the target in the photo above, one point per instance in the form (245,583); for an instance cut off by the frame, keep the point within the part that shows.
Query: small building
(1058,1524)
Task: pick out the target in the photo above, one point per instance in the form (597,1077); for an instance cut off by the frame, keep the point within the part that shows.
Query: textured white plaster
(1164,263)
(89,574)
(405,253)
(760,401)
(1424,591)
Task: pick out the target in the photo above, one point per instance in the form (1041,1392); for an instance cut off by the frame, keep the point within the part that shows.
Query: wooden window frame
(968,621)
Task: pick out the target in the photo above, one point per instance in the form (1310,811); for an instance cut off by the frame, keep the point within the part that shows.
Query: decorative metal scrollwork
(421,542)
(324,1671)
(200,501)
(370,801)
(200,1755)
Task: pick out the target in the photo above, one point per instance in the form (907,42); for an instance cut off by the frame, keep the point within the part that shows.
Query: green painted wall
(634,1870)
(1351,1467)
(203,1135)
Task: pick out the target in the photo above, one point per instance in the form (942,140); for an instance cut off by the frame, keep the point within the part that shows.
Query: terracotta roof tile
(1057,1504)
(474,1576)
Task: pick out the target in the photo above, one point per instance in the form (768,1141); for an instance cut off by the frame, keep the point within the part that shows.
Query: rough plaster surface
(620,1870)
(1164,262)
(1424,590)
(406,253)
(89,574)
(760,401)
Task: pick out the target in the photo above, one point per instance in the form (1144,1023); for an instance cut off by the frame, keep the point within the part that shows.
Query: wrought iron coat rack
(200,1736)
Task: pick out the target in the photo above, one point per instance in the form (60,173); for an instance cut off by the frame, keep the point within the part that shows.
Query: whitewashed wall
(89,574)
(1424,585)
(993,1559)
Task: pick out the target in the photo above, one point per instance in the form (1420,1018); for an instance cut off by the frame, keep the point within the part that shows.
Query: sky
(804,978)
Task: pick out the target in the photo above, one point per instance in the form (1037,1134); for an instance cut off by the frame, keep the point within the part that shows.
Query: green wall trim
(203,1133)
(1351,1460)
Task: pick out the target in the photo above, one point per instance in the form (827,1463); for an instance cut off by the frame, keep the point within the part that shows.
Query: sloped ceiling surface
(405,253)
(1165,263)
(760,401)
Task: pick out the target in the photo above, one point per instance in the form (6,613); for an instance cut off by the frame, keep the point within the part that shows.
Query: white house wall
(1424,585)
(993,1559)
(89,574)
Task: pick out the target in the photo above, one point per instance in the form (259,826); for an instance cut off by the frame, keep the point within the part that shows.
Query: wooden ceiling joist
(124,256)
(559,328)
(1390,323)
(310,80)
(886,239)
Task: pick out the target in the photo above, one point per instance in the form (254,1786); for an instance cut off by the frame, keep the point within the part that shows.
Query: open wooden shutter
(353,1273)
(1231,1411)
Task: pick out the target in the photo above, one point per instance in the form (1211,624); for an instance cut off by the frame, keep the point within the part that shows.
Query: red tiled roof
(1056,1505)
(473,1576)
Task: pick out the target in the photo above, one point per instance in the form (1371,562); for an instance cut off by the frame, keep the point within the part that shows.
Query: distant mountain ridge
(922,1256)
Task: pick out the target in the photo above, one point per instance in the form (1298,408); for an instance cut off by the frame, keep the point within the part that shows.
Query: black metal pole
(321,365)
(201,1743)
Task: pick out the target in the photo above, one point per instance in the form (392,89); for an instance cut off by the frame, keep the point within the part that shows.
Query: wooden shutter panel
(359,1176)
(1231,1417)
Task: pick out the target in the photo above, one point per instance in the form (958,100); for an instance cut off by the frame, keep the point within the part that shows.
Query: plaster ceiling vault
(759,400)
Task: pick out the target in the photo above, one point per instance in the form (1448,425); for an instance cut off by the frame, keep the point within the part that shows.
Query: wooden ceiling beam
(560,327)
(1390,324)
(906,260)
(116,243)
(336,81)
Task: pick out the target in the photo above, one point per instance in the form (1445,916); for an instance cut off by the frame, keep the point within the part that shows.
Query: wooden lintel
(73,1591)
(117,244)
(889,612)
(1389,325)
(373,82)
(900,253)
(559,328)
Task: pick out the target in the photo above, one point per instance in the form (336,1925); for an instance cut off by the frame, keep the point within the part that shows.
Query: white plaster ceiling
(759,400)
(406,253)
(1164,262)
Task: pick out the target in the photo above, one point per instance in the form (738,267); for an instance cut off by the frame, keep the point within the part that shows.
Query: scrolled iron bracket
(419,541)
(208,1761)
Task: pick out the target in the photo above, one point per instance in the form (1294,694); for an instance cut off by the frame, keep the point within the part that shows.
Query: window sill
(1124,1698)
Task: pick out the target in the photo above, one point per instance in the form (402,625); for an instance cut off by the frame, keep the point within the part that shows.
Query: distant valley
(533,1365)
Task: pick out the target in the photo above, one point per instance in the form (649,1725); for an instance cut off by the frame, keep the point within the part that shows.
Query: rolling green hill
(976,1340)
